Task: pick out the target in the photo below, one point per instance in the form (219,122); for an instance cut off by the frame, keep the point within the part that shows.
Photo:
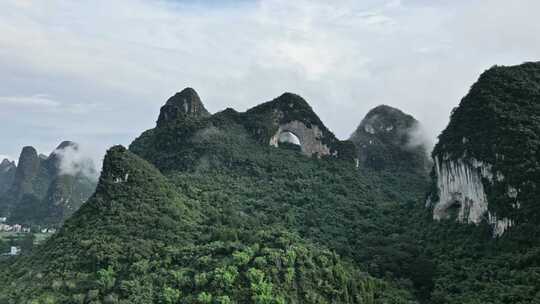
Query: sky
(97,72)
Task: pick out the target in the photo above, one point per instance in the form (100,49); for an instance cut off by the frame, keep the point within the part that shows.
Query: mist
(75,161)
(419,136)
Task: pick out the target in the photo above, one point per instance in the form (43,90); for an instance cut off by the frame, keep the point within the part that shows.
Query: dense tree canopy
(200,210)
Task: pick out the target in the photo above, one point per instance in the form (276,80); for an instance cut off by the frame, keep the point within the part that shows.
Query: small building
(3,219)
(14,250)
(17,228)
(4,227)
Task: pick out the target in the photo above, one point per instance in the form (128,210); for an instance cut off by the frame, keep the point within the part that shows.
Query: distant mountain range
(45,190)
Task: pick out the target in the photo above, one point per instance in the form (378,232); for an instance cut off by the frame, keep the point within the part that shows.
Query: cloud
(105,67)
(75,161)
(43,102)
(419,137)
(39,100)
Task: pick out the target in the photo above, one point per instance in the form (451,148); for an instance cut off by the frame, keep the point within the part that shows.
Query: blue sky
(97,72)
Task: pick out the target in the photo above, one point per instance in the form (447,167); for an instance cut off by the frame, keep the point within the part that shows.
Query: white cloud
(74,161)
(44,102)
(107,66)
(39,100)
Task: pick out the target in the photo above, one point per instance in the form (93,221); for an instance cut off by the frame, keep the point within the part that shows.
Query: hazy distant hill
(7,174)
(46,190)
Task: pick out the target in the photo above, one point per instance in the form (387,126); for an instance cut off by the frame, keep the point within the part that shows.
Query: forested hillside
(218,209)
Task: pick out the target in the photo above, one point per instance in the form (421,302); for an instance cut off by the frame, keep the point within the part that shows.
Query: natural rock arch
(310,138)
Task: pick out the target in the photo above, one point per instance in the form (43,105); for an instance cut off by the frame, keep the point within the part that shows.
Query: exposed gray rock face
(186,103)
(291,113)
(460,187)
(310,138)
(486,160)
(462,195)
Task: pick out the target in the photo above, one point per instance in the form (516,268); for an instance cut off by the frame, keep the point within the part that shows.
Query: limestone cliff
(486,161)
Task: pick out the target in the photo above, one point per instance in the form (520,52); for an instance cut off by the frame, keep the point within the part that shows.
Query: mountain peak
(291,113)
(28,150)
(292,101)
(27,169)
(28,157)
(386,138)
(386,119)
(182,104)
(67,143)
(6,163)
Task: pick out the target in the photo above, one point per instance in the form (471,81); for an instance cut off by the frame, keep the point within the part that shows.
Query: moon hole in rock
(289,140)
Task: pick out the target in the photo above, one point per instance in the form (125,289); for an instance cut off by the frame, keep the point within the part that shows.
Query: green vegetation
(498,123)
(387,138)
(202,210)
(138,240)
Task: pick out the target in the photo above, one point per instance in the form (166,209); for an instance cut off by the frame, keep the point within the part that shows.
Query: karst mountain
(269,206)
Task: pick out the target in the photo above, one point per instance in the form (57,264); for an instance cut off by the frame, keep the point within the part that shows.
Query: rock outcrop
(387,138)
(186,103)
(28,169)
(486,161)
(309,138)
(291,113)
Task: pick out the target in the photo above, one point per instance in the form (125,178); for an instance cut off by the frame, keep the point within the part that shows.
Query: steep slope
(7,175)
(487,159)
(486,173)
(138,240)
(29,181)
(215,213)
(186,103)
(47,190)
(387,139)
(225,161)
